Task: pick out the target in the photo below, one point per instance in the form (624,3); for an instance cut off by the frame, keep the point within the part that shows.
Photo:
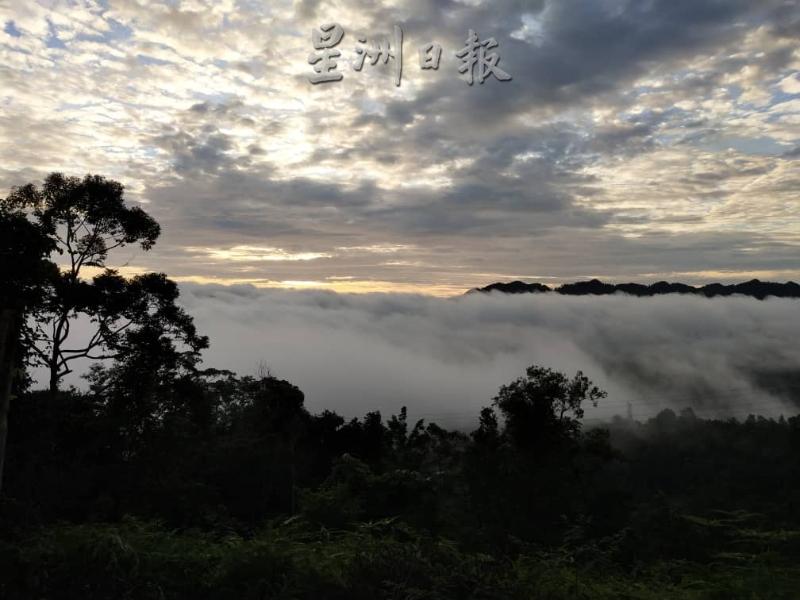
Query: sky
(638,140)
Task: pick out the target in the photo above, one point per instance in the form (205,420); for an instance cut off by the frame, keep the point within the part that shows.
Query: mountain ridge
(594,287)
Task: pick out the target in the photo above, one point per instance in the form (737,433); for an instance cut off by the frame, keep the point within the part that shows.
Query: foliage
(207,485)
(385,559)
(23,269)
(78,223)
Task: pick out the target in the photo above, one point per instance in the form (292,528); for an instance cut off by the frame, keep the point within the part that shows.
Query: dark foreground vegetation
(164,480)
(214,486)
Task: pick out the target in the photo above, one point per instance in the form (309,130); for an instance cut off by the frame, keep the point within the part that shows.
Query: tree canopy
(79,223)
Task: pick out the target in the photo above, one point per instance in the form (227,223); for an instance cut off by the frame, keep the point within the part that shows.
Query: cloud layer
(445,358)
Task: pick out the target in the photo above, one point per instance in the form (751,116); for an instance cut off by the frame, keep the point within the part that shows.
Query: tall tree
(86,220)
(545,405)
(24,275)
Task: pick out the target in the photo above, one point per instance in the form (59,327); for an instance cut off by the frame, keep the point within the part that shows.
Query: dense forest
(168,479)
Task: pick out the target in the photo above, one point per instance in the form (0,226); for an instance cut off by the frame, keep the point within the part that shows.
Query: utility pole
(9,339)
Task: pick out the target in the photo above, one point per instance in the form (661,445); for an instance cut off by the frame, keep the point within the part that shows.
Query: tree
(529,476)
(24,271)
(84,221)
(545,406)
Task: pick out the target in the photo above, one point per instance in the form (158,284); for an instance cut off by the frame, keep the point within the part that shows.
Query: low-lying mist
(445,358)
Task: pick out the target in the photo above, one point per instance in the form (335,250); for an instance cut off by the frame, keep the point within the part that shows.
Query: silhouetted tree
(545,405)
(85,220)
(24,274)
(527,475)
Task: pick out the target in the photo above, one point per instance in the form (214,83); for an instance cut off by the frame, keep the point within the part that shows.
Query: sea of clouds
(446,358)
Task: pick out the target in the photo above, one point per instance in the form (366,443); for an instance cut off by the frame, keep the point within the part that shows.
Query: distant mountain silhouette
(754,289)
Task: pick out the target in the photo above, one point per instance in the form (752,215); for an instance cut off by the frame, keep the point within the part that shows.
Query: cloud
(791,84)
(445,358)
(635,138)
(257,254)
